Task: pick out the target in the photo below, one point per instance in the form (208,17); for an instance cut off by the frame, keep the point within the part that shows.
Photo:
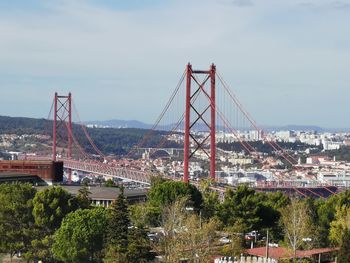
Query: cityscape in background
(202,131)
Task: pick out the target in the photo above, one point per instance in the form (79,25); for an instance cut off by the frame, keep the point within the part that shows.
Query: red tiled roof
(284,253)
(274,252)
(316,251)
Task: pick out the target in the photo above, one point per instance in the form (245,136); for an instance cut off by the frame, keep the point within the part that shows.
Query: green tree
(270,213)
(244,203)
(51,206)
(110,183)
(155,180)
(144,214)
(139,248)
(80,237)
(339,224)
(125,243)
(210,200)
(344,251)
(165,193)
(16,220)
(118,223)
(326,212)
(41,247)
(83,198)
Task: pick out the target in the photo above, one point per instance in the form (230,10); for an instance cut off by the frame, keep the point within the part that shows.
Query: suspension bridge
(201,105)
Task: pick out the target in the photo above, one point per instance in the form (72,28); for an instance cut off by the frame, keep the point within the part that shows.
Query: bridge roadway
(108,170)
(122,173)
(144,177)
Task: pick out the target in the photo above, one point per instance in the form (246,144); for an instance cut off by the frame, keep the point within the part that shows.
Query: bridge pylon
(192,92)
(62,121)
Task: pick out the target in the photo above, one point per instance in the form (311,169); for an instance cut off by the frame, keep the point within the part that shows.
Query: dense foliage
(341,154)
(167,192)
(80,237)
(344,252)
(256,211)
(51,225)
(16,220)
(125,241)
(118,224)
(119,141)
(20,125)
(51,206)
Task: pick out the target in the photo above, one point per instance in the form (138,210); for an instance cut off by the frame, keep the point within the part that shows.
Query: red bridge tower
(191,95)
(62,125)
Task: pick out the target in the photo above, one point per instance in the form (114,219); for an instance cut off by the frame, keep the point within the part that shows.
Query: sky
(287,61)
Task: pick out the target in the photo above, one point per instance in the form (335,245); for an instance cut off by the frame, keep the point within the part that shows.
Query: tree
(184,237)
(16,220)
(51,206)
(244,204)
(236,235)
(173,220)
(144,214)
(165,193)
(339,224)
(110,183)
(343,254)
(326,212)
(80,237)
(296,224)
(155,180)
(83,198)
(118,223)
(41,247)
(210,200)
(126,243)
(139,248)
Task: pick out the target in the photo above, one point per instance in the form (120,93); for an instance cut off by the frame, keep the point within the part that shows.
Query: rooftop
(101,192)
(284,253)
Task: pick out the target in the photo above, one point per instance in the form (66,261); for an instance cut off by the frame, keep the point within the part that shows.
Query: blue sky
(288,61)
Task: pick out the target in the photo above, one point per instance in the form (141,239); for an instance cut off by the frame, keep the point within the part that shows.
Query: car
(249,237)
(225,240)
(152,237)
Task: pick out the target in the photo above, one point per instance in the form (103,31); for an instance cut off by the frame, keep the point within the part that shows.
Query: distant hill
(108,140)
(23,125)
(119,137)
